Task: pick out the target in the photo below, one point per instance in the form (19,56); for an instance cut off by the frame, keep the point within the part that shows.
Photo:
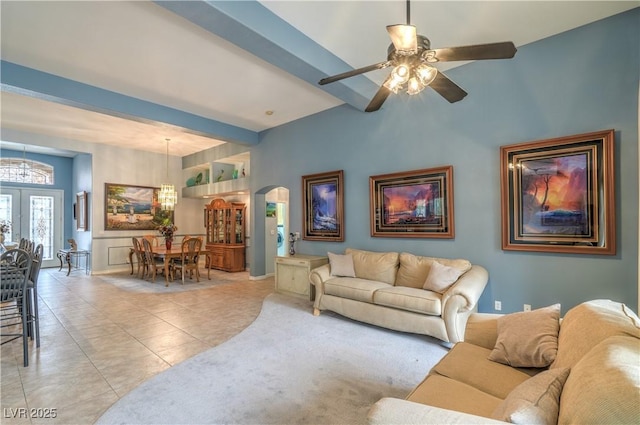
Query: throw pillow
(535,401)
(528,339)
(341,265)
(441,277)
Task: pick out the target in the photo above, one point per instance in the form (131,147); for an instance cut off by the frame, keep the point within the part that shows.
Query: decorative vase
(167,243)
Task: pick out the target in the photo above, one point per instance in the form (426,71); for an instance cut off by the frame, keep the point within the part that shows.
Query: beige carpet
(288,367)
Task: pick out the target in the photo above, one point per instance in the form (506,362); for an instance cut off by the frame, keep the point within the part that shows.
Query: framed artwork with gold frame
(323,206)
(413,204)
(558,195)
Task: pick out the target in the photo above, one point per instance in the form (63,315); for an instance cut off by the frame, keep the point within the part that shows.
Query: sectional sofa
(531,368)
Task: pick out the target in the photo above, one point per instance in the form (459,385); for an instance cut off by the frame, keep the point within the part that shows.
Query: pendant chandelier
(168,197)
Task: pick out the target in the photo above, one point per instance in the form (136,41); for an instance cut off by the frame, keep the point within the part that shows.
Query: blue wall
(63,176)
(580,81)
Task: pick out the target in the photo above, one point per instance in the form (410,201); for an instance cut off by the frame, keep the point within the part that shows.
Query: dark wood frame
(154,218)
(310,182)
(585,220)
(81,212)
(437,221)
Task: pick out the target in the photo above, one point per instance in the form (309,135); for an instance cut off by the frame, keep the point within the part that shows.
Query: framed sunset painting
(412,204)
(558,195)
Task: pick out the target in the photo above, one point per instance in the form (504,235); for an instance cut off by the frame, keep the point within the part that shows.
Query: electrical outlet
(297,235)
(498,306)
(527,307)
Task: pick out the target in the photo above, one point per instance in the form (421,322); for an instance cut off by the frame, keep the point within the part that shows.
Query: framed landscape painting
(558,195)
(413,204)
(323,207)
(133,208)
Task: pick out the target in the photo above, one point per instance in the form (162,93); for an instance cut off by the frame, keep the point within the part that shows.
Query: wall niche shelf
(218,188)
(217,166)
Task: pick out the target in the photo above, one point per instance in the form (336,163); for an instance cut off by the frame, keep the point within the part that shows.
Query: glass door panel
(35,214)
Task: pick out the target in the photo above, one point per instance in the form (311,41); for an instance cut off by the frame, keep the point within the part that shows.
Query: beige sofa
(386,289)
(598,344)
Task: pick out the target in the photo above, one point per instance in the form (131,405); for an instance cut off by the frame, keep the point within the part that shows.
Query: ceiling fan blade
(354,72)
(378,99)
(447,88)
(404,38)
(504,50)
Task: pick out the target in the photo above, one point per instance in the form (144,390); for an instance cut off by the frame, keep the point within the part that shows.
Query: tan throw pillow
(341,265)
(528,339)
(535,401)
(441,277)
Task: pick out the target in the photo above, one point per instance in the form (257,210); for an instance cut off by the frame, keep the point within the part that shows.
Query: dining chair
(152,239)
(189,257)
(15,266)
(153,264)
(140,258)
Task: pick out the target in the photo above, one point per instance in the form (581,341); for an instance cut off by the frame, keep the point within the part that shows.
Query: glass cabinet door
(225,222)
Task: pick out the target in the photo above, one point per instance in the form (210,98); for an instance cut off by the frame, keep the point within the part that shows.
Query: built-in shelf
(218,162)
(217,188)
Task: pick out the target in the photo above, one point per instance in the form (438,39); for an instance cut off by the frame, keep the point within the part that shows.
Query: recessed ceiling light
(269,112)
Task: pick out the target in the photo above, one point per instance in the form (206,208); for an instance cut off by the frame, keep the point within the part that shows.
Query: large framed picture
(81,212)
(413,204)
(323,207)
(133,208)
(558,195)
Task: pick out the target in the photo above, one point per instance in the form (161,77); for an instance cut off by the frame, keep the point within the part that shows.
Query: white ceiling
(143,50)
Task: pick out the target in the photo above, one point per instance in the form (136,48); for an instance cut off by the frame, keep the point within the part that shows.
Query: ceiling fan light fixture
(415,86)
(401,73)
(392,84)
(404,39)
(426,73)
(398,77)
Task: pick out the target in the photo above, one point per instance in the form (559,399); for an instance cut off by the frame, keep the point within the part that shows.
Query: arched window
(19,170)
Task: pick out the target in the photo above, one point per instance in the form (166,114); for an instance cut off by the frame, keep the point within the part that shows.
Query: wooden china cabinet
(225,223)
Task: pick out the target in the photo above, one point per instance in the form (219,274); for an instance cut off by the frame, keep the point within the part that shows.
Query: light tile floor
(99,341)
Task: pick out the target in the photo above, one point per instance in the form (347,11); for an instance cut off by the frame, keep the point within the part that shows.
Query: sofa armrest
(469,286)
(461,300)
(396,411)
(482,329)
(318,277)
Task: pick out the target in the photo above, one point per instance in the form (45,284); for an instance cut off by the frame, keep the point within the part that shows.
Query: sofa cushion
(341,265)
(379,266)
(441,277)
(604,386)
(585,325)
(447,393)
(412,299)
(469,364)
(414,269)
(528,339)
(535,401)
(353,288)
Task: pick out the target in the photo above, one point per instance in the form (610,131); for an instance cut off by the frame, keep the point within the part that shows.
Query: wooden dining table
(168,254)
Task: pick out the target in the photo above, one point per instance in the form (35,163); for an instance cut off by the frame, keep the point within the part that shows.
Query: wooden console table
(68,255)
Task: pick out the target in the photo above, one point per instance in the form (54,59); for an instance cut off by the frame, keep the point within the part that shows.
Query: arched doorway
(271,218)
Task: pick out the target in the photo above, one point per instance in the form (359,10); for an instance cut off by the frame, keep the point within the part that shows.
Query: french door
(35,214)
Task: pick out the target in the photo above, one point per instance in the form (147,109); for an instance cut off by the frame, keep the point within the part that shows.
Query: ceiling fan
(411,56)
